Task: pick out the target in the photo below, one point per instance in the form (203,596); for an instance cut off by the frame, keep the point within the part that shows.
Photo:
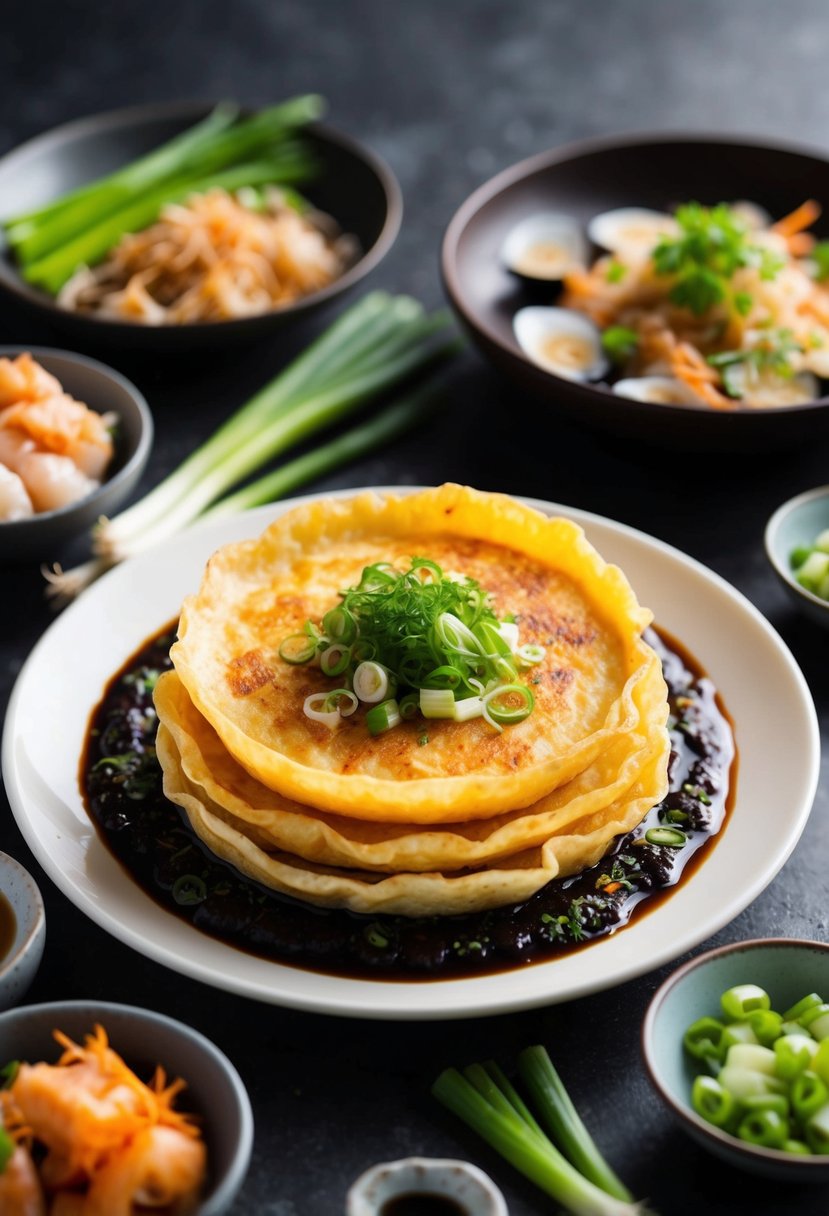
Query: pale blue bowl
(798,522)
(788,969)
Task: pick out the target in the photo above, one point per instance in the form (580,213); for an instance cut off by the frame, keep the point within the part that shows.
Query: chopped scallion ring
(297,649)
(500,715)
(444,677)
(423,566)
(467,709)
(453,635)
(531,654)
(672,838)
(343,700)
(383,717)
(339,625)
(371,681)
(328,717)
(409,705)
(335,659)
(437,702)
(743,999)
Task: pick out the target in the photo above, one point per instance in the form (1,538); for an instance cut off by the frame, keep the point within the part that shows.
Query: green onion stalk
(217,143)
(92,244)
(375,347)
(571,1171)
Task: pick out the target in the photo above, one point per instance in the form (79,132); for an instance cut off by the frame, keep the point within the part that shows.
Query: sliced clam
(768,389)
(545,246)
(631,232)
(661,390)
(562,341)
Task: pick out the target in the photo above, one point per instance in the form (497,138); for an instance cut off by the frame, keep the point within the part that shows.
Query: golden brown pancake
(592,681)
(510,879)
(279,824)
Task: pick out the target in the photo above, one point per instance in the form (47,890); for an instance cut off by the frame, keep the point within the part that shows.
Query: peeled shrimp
(22,379)
(77,1112)
(15,503)
(20,1191)
(57,447)
(53,481)
(49,481)
(63,426)
(161,1168)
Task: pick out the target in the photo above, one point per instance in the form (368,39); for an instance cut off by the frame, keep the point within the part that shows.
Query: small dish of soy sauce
(424,1186)
(22,930)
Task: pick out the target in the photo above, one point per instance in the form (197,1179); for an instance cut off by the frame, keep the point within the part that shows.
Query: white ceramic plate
(64,677)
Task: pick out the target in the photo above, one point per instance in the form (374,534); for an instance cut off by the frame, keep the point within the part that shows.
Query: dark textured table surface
(448,93)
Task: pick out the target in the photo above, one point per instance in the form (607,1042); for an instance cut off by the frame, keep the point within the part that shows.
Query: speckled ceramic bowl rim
(230,1183)
(718,1138)
(770,539)
(136,460)
(570,151)
(31,921)
(112,120)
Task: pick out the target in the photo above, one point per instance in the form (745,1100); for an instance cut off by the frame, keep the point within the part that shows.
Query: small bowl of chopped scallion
(797,546)
(737,1044)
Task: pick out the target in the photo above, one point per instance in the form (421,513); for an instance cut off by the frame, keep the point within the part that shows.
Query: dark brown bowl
(354,186)
(583,179)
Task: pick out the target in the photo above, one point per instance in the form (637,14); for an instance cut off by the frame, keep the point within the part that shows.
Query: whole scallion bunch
(566,1164)
(377,345)
(223,150)
(712,245)
(420,632)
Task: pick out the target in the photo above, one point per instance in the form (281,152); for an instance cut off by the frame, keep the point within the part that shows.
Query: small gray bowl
(19,964)
(101,388)
(798,522)
(788,969)
(214,1092)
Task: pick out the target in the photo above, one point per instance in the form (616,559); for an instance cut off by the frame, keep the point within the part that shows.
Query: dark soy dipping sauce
(121,781)
(8,926)
(421,1204)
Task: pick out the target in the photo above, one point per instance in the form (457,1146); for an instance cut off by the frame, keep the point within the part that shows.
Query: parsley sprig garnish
(712,245)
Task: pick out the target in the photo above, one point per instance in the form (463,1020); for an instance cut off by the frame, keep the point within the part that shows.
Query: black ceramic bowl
(40,537)
(354,186)
(657,171)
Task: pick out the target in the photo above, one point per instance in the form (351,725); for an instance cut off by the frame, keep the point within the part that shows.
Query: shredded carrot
(156,1099)
(800,244)
(612,887)
(802,217)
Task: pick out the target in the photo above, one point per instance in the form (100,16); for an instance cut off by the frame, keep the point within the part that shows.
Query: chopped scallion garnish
(381,718)
(432,633)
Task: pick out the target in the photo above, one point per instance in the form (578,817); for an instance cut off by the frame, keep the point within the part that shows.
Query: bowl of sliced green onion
(737,1044)
(797,546)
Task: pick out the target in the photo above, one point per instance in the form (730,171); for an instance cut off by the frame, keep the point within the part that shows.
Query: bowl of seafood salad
(118,1107)
(667,287)
(75,437)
